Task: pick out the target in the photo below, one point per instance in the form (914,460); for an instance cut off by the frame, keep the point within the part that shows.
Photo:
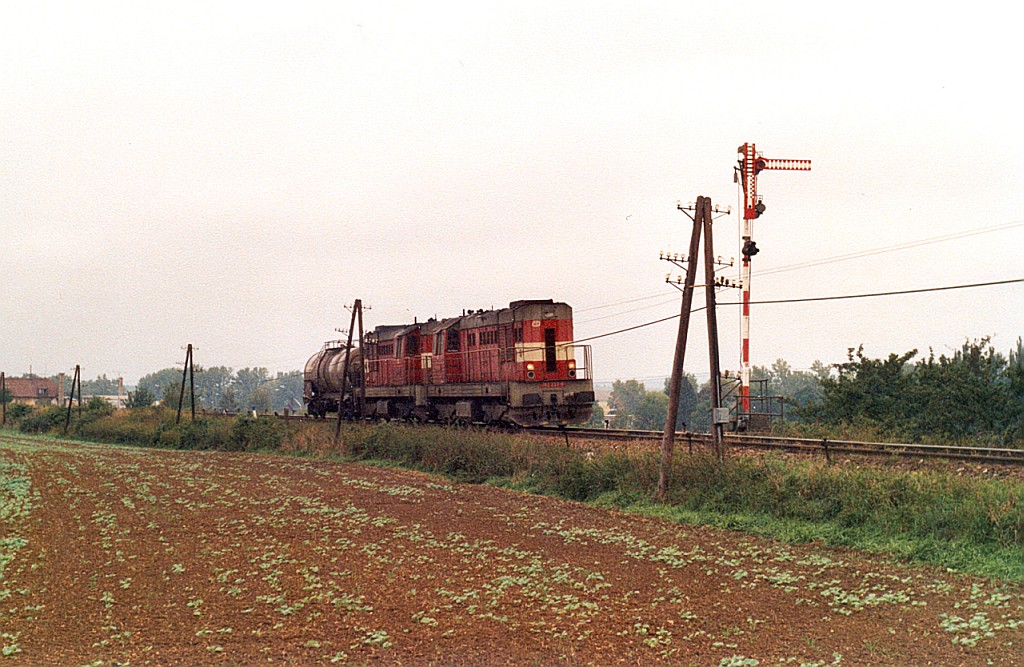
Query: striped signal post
(750,165)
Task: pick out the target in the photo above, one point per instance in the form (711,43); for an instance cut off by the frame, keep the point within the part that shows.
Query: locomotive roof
(468,320)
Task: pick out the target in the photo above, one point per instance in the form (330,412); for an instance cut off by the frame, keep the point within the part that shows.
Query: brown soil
(159,557)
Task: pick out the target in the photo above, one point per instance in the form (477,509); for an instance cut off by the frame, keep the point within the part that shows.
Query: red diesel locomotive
(514,365)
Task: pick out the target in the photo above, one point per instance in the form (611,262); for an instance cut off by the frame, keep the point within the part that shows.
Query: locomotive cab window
(550,358)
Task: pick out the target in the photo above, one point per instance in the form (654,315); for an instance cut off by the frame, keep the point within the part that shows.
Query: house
(32,390)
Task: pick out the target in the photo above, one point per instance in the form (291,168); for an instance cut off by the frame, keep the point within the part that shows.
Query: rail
(824,446)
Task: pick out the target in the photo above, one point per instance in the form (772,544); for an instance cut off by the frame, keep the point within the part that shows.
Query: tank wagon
(515,365)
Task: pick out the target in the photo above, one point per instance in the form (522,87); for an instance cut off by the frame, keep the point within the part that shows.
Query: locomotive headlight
(572,365)
(529,367)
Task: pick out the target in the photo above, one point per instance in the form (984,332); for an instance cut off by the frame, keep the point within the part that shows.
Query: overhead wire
(826,260)
(892,248)
(810,299)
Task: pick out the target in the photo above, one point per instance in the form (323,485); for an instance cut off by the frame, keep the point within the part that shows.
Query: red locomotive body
(515,364)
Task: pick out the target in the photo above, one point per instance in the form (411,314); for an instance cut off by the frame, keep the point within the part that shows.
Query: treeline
(975,393)
(216,388)
(223,389)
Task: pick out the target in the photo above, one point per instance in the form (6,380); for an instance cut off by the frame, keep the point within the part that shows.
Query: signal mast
(751,163)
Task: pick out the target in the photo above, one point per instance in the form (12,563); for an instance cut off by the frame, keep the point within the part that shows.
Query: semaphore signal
(751,163)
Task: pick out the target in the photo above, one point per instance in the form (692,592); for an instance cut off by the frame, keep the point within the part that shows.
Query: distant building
(119,400)
(32,390)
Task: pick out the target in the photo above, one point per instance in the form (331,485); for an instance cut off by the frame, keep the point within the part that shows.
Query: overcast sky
(232,174)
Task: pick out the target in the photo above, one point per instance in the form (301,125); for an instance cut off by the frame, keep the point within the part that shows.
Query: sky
(232,175)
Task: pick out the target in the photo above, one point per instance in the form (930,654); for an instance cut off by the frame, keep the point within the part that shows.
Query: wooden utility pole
(701,224)
(357,310)
(77,381)
(362,361)
(678,357)
(189,372)
(709,278)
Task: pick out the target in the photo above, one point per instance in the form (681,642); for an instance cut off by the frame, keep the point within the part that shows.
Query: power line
(892,248)
(826,260)
(810,299)
(872,294)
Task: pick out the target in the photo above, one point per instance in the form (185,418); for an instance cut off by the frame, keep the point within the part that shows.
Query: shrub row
(158,427)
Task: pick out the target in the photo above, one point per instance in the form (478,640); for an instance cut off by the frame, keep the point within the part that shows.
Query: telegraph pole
(357,312)
(680,352)
(75,382)
(751,163)
(709,277)
(188,372)
(702,220)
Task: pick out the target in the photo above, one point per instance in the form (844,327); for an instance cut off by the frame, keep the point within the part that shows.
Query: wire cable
(806,300)
(827,260)
(892,248)
(873,294)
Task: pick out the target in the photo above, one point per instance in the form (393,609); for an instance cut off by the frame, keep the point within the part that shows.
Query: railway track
(823,446)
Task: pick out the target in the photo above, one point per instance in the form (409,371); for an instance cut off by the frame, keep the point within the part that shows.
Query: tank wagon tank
(515,365)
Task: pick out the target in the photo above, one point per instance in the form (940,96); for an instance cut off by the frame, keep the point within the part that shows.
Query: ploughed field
(119,555)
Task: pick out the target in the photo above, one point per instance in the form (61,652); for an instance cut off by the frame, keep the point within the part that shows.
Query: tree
(140,398)
(286,391)
(101,386)
(596,417)
(700,417)
(961,395)
(211,383)
(687,400)
(651,413)
(797,388)
(1015,393)
(157,382)
(868,391)
(247,382)
(625,400)
(228,400)
(170,395)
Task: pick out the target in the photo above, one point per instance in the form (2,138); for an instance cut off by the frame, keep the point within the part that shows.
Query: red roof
(33,388)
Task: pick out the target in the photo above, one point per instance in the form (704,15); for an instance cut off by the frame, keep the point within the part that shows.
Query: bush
(43,421)
(255,433)
(196,435)
(17,412)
